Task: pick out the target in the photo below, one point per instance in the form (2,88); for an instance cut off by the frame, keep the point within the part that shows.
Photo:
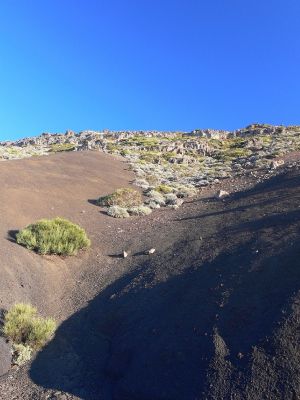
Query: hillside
(212,314)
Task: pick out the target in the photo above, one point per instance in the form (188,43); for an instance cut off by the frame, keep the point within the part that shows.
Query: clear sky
(147,64)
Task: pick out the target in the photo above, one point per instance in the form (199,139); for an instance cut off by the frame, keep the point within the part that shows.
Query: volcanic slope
(45,187)
(214,313)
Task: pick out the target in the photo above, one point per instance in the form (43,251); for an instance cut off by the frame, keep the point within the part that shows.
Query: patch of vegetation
(125,152)
(168,155)
(56,236)
(235,143)
(156,197)
(265,139)
(117,212)
(112,147)
(231,153)
(140,210)
(164,189)
(124,197)
(152,179)
(21,354)
(171,199)
(24,327)
(149,142)
(150,156)
(57,148)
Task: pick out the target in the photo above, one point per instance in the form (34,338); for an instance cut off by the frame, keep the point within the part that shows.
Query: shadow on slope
(150,334)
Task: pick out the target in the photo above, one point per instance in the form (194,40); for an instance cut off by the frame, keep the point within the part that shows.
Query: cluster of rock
(190,159)
(250,130)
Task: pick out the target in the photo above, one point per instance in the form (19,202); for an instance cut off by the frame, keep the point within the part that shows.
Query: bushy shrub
(153,205)
(21,353)
(118,212)
(164,189)
(23,326)
(140,210)
(56,236)
(156,197)
(171,199)
(56,148)
(142,183)
(185,191)
(125,197)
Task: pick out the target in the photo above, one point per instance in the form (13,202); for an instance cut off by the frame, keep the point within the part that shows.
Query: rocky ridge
(181,160)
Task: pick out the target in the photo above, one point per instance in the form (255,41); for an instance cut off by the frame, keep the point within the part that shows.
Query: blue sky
(147,64)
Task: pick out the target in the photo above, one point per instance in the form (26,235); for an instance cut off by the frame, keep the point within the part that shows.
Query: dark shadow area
(269,193)
(149,335)
(93,202)
(115,255)
(12,235)
(140,253)
(2,316)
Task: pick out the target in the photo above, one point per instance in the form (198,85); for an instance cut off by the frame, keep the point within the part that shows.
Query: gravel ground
(212,314)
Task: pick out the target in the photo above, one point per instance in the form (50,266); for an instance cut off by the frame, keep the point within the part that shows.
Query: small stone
(151,251)
(125,254)
(222,194)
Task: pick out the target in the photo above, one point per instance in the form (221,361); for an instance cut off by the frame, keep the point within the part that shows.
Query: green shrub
(118,212)
(156,197)
(164,189)
(171,198)
(56,148)
(56,236)
(140,210)
(125,197)
(23,326)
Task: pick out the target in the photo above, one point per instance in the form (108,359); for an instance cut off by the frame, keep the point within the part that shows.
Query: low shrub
(165,189)
(118,212)
(125,197)
(142,183)
(153,205)
(140,210)
(171,199)
(21,354)
(56,148)
(23,326)
(56,236)
(156,197)
(185,191)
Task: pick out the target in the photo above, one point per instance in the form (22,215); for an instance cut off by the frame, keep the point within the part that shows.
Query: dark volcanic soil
(214,313)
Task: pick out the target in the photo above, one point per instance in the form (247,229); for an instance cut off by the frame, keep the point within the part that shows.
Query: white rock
(222,193)
(125,254)
(151,251)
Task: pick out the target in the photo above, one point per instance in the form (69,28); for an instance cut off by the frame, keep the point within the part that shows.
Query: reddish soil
(46,187)
(213,314)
